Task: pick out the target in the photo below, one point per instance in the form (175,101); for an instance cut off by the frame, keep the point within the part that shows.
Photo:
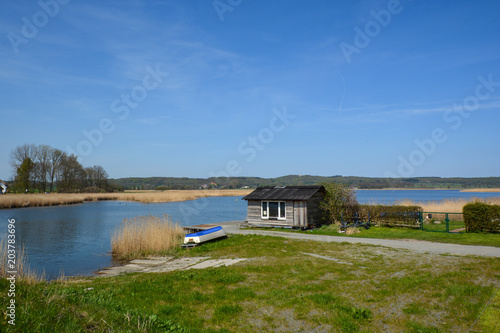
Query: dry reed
(22,270)
(53,199)
(352,231)
(145,235)
(447,205)
(481,190)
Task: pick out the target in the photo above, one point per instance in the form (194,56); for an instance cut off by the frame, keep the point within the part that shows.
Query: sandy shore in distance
(403,189)
(481,190)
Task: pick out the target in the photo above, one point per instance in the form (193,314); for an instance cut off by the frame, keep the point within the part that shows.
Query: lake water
(76,239)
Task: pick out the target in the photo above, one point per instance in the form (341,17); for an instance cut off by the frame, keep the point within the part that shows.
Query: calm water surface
(76,239)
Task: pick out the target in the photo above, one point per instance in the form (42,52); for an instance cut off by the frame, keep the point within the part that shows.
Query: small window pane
(273,210)
(264,208)
(282,209)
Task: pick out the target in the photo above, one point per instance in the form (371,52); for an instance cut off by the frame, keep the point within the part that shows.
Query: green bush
(481,217)
(339,200)
(391,215)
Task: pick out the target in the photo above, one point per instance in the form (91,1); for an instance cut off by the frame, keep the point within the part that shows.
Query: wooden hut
(285,206)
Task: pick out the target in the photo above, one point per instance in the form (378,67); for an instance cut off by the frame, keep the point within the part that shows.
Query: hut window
(274,210)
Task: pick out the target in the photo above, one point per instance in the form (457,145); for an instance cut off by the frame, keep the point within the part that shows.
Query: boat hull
(205,235)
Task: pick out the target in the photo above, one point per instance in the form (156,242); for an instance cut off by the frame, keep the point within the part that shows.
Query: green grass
(490,321)
(409,233)
(367,289)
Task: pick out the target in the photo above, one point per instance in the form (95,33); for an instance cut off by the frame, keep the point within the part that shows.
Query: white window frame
(264,214)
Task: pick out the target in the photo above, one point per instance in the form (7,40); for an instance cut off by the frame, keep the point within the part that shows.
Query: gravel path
(233,227)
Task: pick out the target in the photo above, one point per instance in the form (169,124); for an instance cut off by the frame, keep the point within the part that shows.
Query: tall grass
(481,190)
(23,271)
(447,205)
(53,199)
(145,235)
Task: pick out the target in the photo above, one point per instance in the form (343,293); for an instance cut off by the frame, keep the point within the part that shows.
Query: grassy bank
(287,286)
(53,199)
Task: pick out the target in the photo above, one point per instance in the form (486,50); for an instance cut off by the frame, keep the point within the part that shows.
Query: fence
(442,222)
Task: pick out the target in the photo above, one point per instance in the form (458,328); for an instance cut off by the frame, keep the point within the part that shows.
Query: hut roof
(284,192)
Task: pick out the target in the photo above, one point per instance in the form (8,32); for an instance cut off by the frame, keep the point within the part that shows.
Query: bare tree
(20,153)
(89,177)
(42,165)
(100,177)
(56,157)
(72,175)
(96,178)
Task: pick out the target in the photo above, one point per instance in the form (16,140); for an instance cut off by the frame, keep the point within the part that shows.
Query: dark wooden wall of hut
(314,213)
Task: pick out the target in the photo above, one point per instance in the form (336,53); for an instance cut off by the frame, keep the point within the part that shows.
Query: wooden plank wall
(253,211)
(253,214)
(299,214)
(314,213)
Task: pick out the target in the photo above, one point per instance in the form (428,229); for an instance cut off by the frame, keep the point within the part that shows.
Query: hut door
(299,214)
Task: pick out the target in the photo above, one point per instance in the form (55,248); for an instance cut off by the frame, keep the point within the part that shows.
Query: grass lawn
(410,233)
(285,286)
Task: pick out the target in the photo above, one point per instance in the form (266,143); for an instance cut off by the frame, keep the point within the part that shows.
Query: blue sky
(255,88)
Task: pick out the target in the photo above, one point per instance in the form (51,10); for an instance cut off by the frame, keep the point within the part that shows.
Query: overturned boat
(197,238)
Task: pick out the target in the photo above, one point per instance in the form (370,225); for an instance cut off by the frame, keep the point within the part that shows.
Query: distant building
(3,187)
(286,206)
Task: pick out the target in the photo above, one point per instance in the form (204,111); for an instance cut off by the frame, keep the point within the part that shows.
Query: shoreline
(482,190)
(410,189)
(11,201)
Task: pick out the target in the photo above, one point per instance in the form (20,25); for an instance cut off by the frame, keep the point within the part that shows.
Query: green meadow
(284,286)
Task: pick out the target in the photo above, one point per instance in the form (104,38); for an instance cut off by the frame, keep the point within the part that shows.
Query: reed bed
(448,205)
(177,195)
(145,235)
(481,190)
(53,199)
(22,268)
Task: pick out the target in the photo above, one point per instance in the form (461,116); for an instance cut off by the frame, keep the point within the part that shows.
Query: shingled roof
(284,192)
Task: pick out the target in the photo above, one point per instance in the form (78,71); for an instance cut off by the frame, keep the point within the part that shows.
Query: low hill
(152,183)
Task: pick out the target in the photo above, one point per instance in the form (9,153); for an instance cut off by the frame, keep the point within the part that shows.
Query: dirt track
(233,227)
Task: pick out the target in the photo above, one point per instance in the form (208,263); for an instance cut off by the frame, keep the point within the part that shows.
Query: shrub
(391,215)
(479,216)
(338,200)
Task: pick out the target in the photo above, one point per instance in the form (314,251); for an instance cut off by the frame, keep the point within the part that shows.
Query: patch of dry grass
(53,199)
(144,235)
(352,231)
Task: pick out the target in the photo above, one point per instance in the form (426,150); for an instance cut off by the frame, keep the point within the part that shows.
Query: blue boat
(204,236)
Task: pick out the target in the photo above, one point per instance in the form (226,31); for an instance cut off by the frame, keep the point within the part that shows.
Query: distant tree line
(45,169)
(163,183)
